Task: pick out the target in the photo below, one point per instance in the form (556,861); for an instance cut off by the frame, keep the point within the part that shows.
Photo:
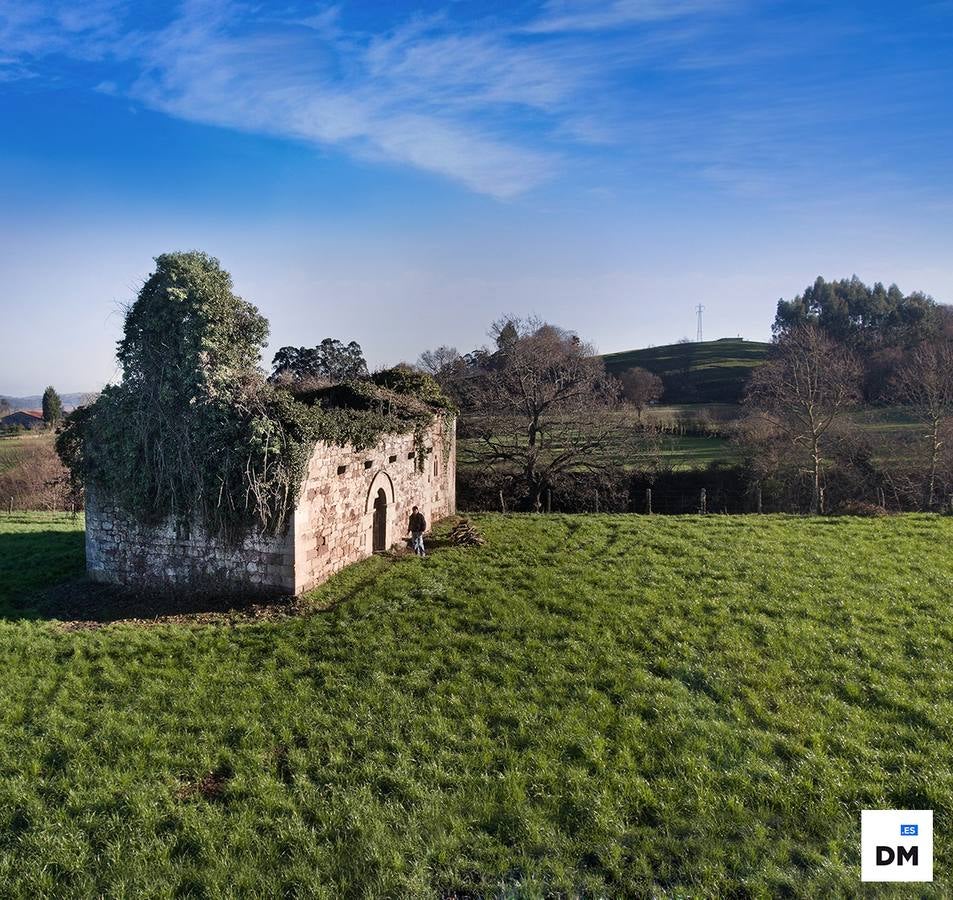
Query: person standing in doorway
(417,526)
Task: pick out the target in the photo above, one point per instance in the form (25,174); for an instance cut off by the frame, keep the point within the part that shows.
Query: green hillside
(707,372)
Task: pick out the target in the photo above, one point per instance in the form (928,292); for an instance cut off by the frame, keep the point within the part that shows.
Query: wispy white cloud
(599,15)
(29,28)
(287,80)
(500,104)
(477,103)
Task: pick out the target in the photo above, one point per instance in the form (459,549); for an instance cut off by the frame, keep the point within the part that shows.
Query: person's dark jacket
(418,522)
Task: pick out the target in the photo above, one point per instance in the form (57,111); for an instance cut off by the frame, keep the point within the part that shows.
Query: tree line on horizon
(538,411)
(539,408)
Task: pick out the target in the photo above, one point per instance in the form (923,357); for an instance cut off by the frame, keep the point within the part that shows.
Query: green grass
(707,372)
(11,451)
(590,705)
(36,550)
(684,453)
(681,452)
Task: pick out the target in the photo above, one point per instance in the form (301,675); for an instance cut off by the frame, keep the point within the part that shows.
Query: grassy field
(31,474)
(681,452)
(599,706)
(706,372)
(37,550)
(14,447)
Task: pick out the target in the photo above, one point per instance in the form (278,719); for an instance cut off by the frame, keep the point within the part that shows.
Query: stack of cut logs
(465,534)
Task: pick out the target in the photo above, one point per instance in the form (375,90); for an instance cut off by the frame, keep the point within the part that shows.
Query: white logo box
(896,845)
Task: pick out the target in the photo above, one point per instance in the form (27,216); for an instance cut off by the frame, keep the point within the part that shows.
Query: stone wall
(334,521)
(121,550)
(331,527)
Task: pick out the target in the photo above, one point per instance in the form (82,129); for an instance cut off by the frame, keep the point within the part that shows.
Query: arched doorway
(379,534)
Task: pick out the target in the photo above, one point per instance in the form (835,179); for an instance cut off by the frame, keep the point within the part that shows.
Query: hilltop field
(705,372)
(587,705)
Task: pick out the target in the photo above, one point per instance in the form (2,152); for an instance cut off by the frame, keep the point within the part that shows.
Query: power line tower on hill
(699,310)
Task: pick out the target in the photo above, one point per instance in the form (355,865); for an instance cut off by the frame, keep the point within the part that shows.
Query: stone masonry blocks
(331,527)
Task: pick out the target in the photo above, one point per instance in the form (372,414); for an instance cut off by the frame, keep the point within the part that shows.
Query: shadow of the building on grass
(84,603)
(44,578)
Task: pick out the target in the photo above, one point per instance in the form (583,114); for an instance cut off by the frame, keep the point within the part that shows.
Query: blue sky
(404,173)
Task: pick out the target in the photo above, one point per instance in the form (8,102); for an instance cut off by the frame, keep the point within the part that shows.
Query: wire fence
(722,491)
(18,504)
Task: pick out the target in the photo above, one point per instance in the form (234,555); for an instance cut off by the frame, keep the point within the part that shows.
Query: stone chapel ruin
(351,504)
(201,474)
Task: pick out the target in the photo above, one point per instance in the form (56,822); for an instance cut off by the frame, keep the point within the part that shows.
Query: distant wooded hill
(705,372)
(35,401)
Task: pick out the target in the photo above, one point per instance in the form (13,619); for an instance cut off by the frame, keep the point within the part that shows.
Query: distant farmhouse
(23,418)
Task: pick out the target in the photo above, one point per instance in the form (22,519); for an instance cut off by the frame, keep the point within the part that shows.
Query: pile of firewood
(465,534)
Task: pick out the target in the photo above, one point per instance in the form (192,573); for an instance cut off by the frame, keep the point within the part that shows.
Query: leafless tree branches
(924,383)
(541,404)
(800,397)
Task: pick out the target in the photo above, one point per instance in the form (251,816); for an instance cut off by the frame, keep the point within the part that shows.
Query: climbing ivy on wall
(195,432)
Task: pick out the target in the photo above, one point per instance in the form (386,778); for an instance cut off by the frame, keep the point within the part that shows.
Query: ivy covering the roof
(196,432)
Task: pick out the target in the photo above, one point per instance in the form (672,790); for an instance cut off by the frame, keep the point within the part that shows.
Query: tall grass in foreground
(590,705)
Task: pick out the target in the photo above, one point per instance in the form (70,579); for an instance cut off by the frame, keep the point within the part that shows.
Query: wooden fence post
(549,500)
(757,499)
(703,502)
(648,501)
(881,498)
(502,503)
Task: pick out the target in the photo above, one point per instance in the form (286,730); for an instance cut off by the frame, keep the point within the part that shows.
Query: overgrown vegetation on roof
(194,431)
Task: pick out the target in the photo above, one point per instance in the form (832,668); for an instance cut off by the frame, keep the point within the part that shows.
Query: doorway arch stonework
(379,527)
(381,484)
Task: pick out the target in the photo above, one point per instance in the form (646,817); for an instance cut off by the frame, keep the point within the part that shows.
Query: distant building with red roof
(24,418)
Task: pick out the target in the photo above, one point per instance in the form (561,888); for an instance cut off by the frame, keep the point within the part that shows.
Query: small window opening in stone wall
(393,459)
(342,470)
(411,455)
(368,463)
(436,468)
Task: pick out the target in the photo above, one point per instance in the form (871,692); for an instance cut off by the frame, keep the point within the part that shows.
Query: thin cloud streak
(282,81)
(595,15)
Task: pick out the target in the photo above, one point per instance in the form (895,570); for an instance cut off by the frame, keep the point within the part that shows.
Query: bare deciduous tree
(924,382)
(641,387)
(802,394)
(447,366)
(541,404)
(438,360)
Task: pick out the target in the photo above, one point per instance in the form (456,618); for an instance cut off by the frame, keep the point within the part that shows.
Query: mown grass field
(37,550)
(589,705)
